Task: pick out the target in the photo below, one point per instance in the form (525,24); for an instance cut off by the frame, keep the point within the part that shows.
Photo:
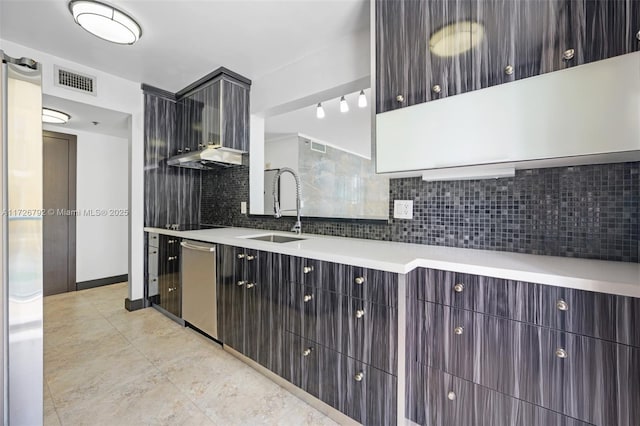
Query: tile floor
(106,366)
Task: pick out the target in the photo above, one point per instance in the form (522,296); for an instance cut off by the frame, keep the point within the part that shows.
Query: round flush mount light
(54,117)
(105,21)
(455,39)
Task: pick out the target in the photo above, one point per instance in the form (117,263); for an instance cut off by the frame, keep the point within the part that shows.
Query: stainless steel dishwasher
(199,303)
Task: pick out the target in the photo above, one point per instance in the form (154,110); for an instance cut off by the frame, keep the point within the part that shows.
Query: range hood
(212,157)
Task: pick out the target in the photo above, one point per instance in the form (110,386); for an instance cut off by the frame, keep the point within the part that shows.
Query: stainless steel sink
(274,238)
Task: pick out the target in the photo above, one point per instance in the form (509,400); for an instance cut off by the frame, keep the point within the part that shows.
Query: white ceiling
(350,131)
(185,40)
(112,123)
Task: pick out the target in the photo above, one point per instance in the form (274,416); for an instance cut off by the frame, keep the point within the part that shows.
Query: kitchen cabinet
(341,325)
(151,266)
(441,399)
(492,338)
(362,392)
(166,285)
(250,302)
(515,40)
(214,113)
(407,72)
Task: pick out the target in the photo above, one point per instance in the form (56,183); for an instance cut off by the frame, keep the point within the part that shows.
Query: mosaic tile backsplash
(581,211)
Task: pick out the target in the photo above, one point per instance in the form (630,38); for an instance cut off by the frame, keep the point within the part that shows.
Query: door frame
(72,159)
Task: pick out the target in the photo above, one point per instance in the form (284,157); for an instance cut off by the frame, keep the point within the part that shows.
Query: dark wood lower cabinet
(364,393)
(169,295)
(575,375)
(435,398)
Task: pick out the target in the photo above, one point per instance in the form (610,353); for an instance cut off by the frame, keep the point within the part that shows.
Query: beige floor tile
(96,377)
(152,400)
(107,366)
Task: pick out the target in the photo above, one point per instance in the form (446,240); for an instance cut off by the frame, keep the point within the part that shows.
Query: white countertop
(620,278)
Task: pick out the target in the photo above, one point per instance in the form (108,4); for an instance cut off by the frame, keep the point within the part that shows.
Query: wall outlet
(243,207)
(403,209)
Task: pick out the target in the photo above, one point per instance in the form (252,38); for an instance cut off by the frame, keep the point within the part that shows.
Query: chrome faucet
(297,228)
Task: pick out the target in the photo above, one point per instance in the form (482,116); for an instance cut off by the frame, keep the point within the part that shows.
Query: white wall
(101,184)
(117,94)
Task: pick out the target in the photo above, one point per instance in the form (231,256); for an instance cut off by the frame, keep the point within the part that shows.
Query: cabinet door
(370,334)
(169,275)
(370,393)
(210,122)
(391,56)
(231,296)
(190,114)
(303,366)
(235,116)
(611,28)
(301,316)
(451,74)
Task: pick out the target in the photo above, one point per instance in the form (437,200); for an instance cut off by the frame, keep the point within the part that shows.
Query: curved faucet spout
(297,228)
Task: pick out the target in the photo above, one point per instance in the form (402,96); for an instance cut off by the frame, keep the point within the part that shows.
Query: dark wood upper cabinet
(215,112)
(513,40)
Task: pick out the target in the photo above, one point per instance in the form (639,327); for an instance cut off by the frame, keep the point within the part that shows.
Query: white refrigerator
(21,241)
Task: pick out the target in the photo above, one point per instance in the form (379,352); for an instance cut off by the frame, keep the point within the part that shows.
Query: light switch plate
(403,209)
(243,207)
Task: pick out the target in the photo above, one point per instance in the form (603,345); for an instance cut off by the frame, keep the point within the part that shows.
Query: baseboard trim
(83,285)
(133,305)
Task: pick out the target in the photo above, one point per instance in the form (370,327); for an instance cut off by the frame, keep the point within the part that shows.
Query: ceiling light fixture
(319,111)
(455,39)
(362,100)
(105,21)
(54,117)
(344,106)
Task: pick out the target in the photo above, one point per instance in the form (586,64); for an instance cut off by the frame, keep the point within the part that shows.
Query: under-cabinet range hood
(212,157)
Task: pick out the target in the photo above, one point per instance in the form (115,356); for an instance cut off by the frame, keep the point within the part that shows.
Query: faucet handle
(297,228)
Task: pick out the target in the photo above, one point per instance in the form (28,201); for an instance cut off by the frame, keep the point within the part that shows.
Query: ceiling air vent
(76,81)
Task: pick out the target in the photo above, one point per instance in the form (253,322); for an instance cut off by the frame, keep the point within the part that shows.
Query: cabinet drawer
(358,390)
(599,315)
(364,283)
(362,330)
(579,376)
(435,398)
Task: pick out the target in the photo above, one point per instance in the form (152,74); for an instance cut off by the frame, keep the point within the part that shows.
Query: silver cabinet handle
(400,98)
(561,353)
(359,280)
(241,255)
(199,248)
(172,241)
(451,395)
(250,257)
(307,352)
(172,289)
(307,297)
(187,149)
(458,288)
(359,376)
(251,285)
(307,269)
(458,330)
(508,70)
(562,305)
(568,54)
(436,88)
(241,283)
(359,313)
(170,258)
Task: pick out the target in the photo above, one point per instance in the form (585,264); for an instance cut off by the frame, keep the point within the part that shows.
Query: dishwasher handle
(199,248)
